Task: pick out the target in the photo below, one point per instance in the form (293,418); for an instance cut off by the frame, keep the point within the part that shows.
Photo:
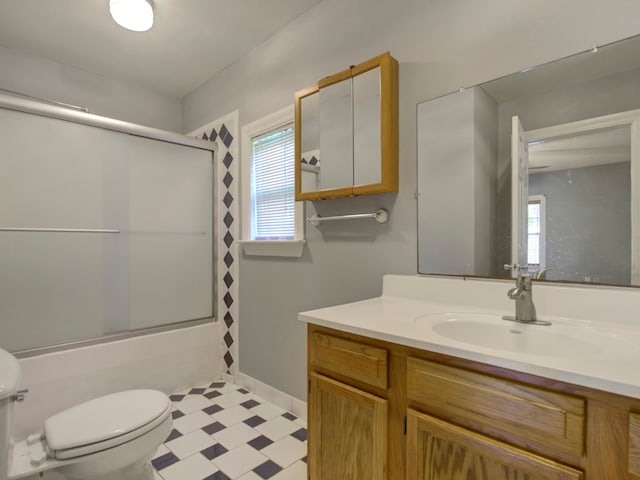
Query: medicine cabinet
(346,135)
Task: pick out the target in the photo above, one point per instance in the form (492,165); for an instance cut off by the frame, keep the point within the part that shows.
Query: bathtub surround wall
(224,132)
(441,46)
(167,361)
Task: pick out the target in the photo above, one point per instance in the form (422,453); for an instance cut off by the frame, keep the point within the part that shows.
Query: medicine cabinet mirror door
(336,136)
(347,132)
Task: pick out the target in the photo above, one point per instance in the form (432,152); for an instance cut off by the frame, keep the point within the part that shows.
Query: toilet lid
(105,418)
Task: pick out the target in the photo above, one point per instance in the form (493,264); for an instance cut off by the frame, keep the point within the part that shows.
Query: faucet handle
(540,274)
(516,267)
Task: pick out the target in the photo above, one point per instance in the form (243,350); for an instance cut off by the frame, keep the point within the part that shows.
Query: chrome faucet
(522,293)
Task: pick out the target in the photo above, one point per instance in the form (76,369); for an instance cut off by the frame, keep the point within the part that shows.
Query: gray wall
(441,45)
(101,95)
(588,222)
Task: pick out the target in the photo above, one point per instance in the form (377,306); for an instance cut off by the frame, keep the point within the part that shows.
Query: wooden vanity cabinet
(379,410)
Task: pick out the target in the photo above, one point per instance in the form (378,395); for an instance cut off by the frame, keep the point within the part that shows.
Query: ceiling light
(136,15)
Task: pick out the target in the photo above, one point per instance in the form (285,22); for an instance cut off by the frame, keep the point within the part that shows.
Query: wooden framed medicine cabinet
(346,132)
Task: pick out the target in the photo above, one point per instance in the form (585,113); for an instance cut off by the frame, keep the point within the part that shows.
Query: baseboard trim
(269,393)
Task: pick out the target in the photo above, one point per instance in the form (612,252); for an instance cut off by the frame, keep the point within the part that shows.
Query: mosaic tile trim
(312,157)
(225,132)
(224,432)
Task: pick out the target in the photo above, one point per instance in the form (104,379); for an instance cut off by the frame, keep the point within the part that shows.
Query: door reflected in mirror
(567,212)
(580,192)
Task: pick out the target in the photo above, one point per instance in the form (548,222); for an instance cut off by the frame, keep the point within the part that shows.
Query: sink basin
(491,331)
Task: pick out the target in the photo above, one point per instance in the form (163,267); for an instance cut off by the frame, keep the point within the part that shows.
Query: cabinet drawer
(352,359)
(521,414)
(634,445)
(438,450)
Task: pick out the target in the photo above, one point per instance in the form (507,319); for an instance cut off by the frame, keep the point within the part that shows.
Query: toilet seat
(104,423)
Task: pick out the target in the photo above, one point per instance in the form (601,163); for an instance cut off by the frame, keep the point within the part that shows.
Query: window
(536,231)
(272,221)
(272,181)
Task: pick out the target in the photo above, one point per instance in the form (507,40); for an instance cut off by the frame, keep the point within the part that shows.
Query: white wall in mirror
(457,166)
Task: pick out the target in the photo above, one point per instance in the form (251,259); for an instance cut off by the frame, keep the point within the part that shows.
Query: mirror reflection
(367,144)
(336,135)
(310,142)
(536,169)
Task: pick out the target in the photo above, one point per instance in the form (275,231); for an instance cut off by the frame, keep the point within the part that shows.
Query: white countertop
(600,354)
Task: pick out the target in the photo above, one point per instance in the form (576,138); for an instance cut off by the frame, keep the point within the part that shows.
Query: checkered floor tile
(223,432)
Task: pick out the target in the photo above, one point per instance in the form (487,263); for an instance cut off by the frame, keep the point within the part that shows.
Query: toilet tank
(9,383)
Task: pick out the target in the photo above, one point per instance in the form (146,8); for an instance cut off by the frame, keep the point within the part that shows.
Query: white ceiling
(191,40)
(599,147)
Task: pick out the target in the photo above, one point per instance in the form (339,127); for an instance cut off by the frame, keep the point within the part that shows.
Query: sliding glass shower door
(100,232)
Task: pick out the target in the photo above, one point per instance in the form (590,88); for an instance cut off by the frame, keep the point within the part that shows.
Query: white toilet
(107,438)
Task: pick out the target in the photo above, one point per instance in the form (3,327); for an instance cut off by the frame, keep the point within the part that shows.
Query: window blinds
(272,185)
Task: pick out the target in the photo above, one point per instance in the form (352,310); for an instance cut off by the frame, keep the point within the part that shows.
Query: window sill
(273,248)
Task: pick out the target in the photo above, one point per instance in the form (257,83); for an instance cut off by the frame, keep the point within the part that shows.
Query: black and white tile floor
(223,432)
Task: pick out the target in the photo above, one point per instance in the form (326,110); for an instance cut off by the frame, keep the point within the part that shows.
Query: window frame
(280,248)
(541,200)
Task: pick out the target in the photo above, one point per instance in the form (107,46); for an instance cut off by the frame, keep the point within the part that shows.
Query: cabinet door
(437,450)
(634,446)
(336,135)
(367,136)
(347,432)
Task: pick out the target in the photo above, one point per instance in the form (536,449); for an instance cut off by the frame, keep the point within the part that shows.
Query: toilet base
(143,471)
(129,461)
(138,472)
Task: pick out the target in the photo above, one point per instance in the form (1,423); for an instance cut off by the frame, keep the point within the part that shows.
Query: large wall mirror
(537,170)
